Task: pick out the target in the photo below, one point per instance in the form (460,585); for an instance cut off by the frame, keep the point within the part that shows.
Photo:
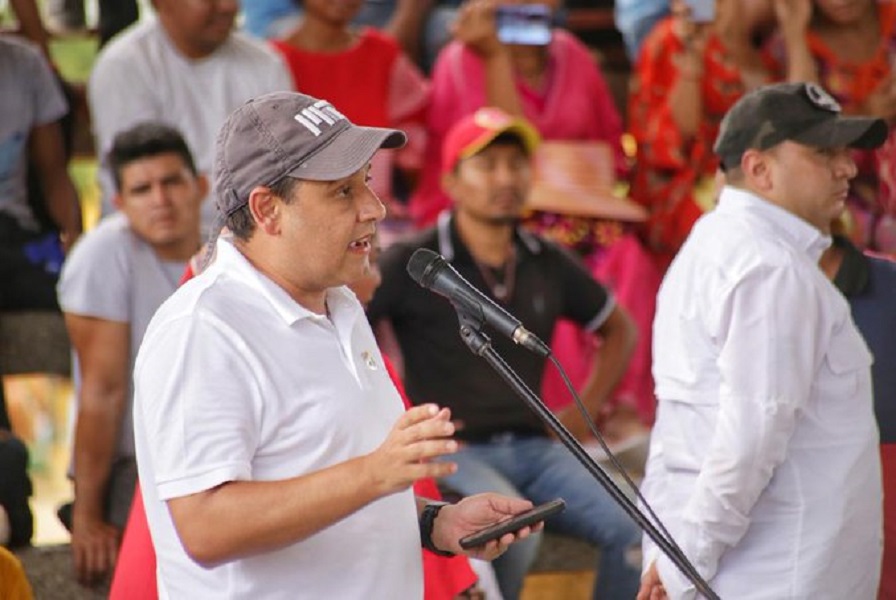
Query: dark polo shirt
(549,283)
(869,284)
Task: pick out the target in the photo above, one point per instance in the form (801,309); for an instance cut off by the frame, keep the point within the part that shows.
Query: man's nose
(371,207)
(506,173)
(846,166)
(160,194)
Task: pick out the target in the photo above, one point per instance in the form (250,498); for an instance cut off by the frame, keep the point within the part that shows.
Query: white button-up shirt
(763,462)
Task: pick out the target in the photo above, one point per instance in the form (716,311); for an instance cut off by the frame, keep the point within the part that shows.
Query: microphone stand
(480,345)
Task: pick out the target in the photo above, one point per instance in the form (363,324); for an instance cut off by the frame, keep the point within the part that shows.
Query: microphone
(433,272)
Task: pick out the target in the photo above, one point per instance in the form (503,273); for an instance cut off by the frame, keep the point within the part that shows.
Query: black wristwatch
(427,519)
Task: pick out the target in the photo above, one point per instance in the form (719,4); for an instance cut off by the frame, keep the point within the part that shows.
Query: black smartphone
(525,24)
(514,523)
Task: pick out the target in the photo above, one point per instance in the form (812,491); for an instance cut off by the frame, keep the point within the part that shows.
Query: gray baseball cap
(289,134)
(800,112)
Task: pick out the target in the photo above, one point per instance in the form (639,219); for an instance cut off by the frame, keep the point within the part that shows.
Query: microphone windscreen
(421,264)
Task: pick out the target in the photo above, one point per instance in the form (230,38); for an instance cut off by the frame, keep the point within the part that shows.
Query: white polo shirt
(764,458)
(236,381)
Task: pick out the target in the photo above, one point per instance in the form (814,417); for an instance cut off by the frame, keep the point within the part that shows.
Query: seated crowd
(516,169)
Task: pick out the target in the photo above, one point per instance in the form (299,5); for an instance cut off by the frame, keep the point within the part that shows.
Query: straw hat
(577,178)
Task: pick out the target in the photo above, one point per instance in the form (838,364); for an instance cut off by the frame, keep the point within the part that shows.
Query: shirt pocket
(846,364)
(840,406)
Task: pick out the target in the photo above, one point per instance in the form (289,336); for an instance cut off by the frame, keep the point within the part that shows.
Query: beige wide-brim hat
(577,178)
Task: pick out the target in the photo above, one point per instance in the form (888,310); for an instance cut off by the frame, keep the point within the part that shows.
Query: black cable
(480,345)
(613,459)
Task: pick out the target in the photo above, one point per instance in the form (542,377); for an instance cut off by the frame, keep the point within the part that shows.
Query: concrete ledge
(49,570)
(563,561)
(564,553)
(34,342)
(560,585)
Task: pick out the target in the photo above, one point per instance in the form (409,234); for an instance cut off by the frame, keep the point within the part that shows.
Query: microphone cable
(657,522)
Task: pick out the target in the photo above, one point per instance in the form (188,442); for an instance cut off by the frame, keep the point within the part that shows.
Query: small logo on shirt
(369,360)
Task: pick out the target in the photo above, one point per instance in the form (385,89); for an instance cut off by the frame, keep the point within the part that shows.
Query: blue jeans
(540,469)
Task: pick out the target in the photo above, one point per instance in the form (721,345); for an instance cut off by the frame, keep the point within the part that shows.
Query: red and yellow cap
(476,131)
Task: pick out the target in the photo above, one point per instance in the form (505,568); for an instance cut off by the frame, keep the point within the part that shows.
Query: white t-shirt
(236,381)
(764,458)
(112,274)
(141,76)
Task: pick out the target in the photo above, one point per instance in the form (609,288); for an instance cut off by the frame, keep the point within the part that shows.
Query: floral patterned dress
(673,174)
(871,207)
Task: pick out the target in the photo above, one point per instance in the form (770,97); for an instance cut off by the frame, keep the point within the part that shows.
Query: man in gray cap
(274,452)
(763,461)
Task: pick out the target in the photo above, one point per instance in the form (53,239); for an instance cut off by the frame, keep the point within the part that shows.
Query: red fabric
(871,205)
(624,267)
(373,84)
(443,577)
(135,571)
(888,572)
(188,274)
(355,81)
(668,166)
(576,105)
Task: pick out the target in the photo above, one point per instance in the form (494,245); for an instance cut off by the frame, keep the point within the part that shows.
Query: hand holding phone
(514,523)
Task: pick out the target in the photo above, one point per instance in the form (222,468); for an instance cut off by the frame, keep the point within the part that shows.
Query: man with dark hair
(111,284)
(487,173)
(276,459)
(763,460)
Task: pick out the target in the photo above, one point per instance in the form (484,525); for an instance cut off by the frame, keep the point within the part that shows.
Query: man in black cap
(764,462)
(275,456)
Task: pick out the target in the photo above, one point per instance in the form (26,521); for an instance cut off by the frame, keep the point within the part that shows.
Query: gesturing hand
(474,513)
(419,434)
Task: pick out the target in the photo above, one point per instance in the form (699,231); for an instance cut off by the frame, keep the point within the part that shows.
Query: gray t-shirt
(113,274)
(29,96)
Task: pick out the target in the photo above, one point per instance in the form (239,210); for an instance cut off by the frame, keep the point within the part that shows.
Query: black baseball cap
(799,112)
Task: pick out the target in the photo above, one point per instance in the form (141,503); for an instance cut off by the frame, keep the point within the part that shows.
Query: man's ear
(265,208)
(449,183)
(756,169)
(203,185)
(118,201)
